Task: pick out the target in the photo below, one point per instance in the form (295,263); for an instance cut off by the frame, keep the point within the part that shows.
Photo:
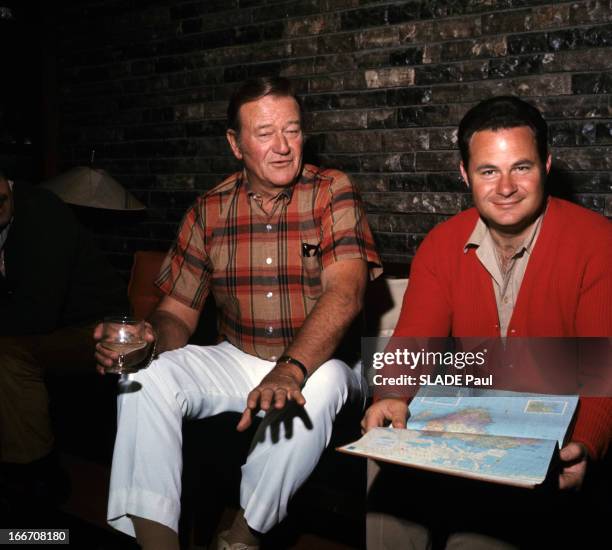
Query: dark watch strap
(298,364)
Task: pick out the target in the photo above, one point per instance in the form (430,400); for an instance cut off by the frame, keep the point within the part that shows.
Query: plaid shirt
(265,270)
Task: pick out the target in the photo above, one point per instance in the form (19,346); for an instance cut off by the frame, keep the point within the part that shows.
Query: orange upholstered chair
(142,292)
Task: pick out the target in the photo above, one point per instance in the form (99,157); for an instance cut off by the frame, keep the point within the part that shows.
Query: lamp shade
(91,187)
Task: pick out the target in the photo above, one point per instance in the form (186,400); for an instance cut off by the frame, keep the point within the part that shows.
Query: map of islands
(493,412)
(505,437)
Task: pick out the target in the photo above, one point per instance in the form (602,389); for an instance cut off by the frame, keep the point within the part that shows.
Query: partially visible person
(518,264)
(54,285)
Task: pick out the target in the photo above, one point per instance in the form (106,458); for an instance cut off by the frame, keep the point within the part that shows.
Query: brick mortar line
(339,130)
(324,55)
(307,76)
(346,153)
(372,4)
(389,49)
(349,10)
(332,34)
(417,86)
(368,109)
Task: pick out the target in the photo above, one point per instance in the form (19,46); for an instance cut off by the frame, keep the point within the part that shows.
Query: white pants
(198,382)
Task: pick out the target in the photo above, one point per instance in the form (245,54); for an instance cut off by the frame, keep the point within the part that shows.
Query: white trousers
(198,382)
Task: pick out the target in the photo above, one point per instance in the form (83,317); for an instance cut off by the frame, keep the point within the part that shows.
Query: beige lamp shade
(91,187)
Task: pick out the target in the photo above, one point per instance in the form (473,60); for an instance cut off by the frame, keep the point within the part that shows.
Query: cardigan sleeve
(594,307)
(594,318)
(426,309)
(594,425)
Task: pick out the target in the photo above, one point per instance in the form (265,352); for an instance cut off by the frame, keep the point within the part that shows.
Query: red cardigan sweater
(566,291)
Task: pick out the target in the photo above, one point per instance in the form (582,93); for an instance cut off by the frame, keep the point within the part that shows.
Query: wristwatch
(298,364)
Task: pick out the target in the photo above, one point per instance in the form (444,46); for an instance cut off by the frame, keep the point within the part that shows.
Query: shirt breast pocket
(311,267)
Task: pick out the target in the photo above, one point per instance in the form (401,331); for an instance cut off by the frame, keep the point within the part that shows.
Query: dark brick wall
(145,84)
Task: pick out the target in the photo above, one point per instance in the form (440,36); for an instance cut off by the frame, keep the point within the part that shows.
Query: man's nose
(506,185)
(281,145)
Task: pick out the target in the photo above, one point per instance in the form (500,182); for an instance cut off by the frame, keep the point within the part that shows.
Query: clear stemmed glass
(126,336)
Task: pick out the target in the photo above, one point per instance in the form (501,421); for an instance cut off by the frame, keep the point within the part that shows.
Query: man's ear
(464,174)
(234,143)
(548,163)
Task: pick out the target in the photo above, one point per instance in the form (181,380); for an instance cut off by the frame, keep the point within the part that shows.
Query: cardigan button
(512,331)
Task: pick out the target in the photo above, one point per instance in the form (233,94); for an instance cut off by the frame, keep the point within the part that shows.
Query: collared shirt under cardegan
(505,285)
(263,282)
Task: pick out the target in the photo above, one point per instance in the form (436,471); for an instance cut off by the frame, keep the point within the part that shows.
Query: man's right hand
(384,411)
(106,358)
(276,389)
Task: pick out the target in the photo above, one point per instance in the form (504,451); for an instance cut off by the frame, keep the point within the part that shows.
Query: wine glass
(126,336)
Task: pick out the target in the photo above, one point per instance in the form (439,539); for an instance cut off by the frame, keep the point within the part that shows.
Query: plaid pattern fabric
(265,270)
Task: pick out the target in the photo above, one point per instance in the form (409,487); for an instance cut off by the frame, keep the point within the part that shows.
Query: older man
(518,264)
(284,248)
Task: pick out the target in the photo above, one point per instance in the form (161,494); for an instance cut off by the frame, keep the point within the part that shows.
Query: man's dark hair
(499,113)
(255,89)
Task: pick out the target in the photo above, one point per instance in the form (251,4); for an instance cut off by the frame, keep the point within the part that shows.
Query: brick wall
(145,84)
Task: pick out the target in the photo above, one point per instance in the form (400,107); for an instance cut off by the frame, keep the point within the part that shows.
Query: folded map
(500,436)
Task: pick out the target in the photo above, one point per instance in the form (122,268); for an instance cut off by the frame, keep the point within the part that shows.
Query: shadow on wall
(560,184)
(312,148)
(584,188)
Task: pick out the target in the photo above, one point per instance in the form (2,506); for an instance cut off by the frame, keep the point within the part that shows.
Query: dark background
(145,84)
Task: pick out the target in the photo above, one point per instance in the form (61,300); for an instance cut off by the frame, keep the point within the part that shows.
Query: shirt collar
(481,230)
(285,192)
(477,236)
